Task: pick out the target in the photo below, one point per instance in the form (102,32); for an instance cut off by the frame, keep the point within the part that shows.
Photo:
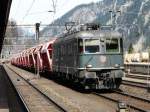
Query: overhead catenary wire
(47,11)
(54,5)
(26,14)
(33,13)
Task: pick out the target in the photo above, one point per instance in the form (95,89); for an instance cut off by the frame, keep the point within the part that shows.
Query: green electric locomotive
(91,57)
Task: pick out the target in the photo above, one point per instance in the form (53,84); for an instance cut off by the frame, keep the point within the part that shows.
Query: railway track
(136,80)
(135,84)
(41,97)
(133,102)
(137,76)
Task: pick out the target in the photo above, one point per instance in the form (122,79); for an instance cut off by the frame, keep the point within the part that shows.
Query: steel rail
(44,95)
(19,94)
(135,84)
(117,101)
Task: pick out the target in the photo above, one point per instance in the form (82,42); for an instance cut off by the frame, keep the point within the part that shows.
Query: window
(112,45)
(121,45)
(92,45)
(80,46)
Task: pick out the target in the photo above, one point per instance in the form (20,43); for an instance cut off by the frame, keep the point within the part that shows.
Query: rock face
(131,17)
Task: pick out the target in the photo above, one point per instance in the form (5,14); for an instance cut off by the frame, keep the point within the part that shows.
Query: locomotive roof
(98,34)
(90,34)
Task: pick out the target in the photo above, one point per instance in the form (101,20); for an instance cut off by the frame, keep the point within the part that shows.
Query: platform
(3,93)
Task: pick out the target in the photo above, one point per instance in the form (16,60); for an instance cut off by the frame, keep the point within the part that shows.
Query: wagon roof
(32,50)
(46,45)
(38,48)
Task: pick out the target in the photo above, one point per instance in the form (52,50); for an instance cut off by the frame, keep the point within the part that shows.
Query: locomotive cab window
(80,46)
(92,45)
(121,45)
(112,45)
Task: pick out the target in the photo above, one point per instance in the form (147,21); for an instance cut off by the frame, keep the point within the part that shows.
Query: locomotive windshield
(112,45)
(108,45)
(80,43)
(92,45)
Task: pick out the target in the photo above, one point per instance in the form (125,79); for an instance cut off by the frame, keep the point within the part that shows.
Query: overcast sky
(32,11)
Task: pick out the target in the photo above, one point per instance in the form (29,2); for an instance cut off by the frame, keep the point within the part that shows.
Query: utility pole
(113,14)
(37,25)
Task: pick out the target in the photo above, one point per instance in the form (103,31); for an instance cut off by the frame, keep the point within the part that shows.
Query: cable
(54,2)
(33,13)
(54,5)
(28,10)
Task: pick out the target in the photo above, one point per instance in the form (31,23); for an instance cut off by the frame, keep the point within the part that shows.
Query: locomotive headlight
(117,65)
(89,66)
(103,59)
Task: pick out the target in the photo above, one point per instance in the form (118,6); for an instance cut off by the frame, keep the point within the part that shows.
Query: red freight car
(37,57)
(46,55)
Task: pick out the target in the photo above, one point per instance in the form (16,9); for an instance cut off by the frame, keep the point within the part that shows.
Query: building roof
(4,14)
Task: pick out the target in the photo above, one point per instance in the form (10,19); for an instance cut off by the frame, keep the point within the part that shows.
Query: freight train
(91,57)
